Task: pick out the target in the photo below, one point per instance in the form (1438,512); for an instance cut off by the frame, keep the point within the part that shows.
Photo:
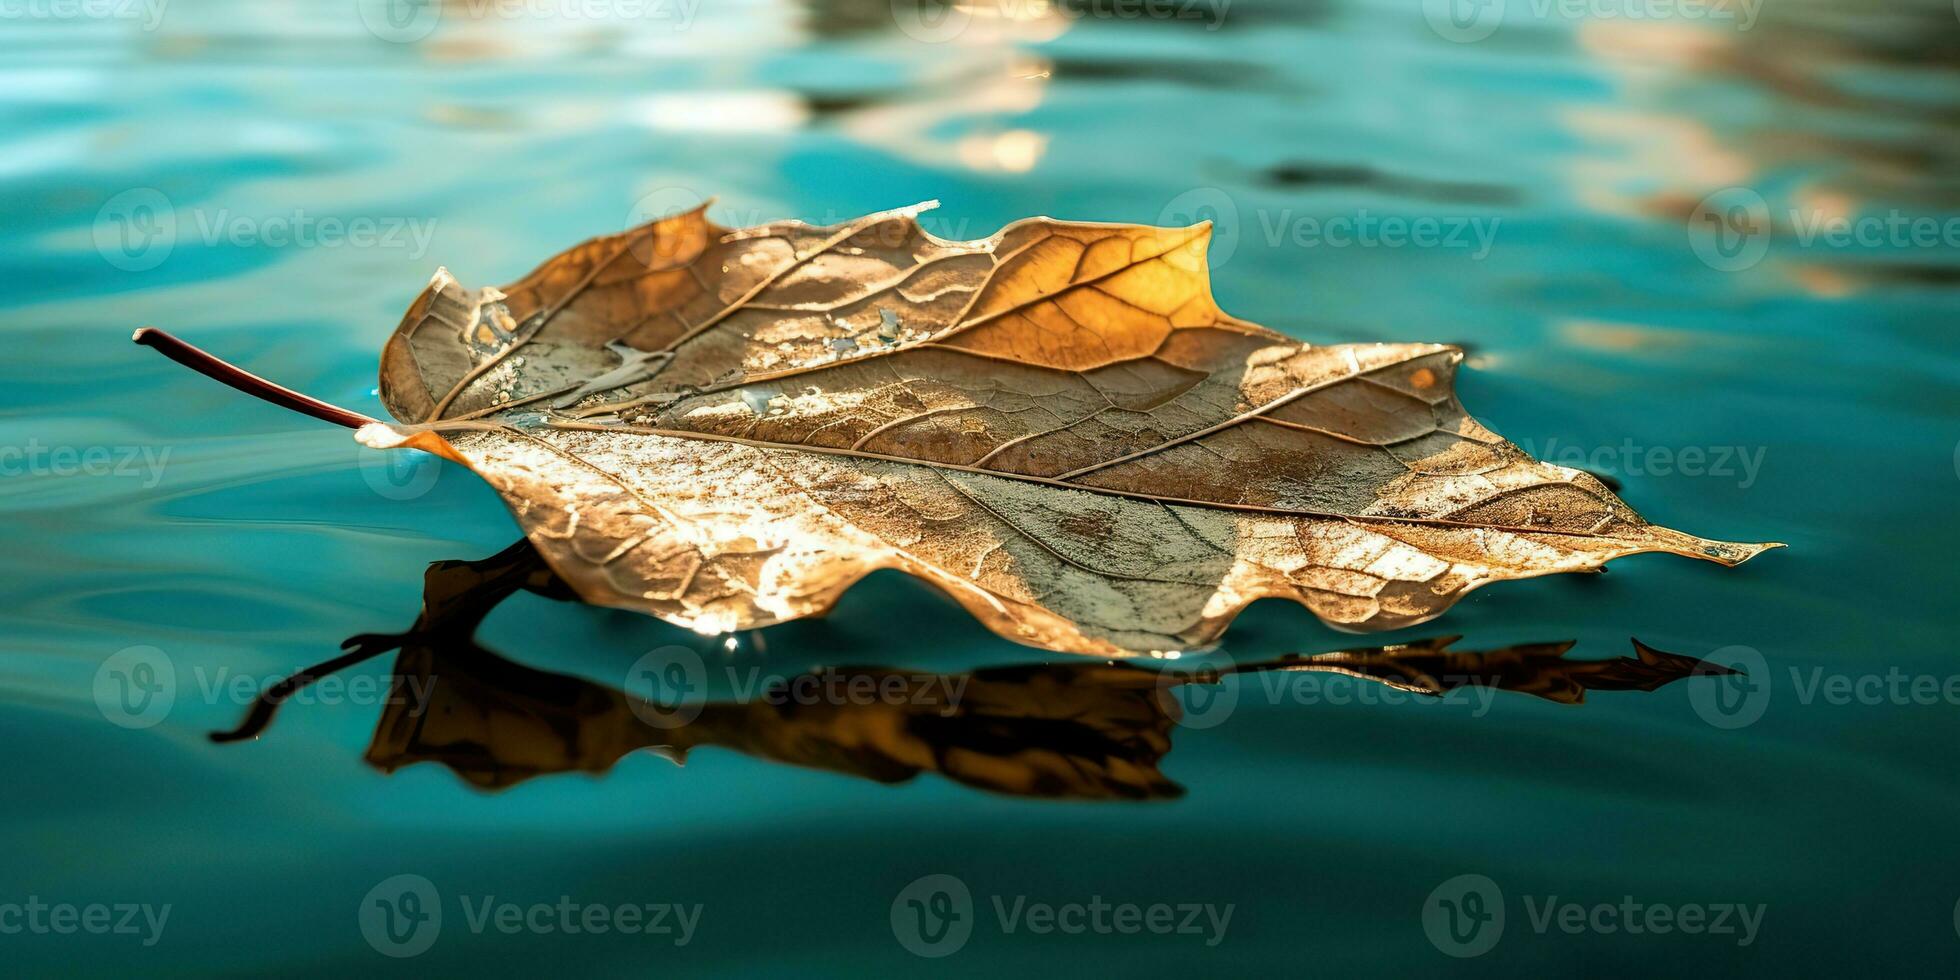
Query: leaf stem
(227,373)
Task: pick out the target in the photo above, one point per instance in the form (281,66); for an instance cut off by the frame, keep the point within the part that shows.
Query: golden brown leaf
(1057,426)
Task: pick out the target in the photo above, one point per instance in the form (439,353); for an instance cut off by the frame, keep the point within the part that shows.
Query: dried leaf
(1057,426)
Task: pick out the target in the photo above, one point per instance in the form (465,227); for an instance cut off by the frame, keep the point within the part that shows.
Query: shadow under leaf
(1078,730)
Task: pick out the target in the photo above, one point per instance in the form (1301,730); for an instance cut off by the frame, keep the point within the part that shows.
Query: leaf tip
(1732,553)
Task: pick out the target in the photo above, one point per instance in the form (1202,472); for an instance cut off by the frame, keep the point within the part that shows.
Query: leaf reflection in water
(1074,730)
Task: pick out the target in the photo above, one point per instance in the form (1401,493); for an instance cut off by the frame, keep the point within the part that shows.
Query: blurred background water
(1709,249)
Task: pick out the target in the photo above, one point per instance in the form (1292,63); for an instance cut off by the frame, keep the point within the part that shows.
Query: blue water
(1744,373)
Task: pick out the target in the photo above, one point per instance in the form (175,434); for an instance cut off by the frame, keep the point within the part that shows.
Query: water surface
(1742,378)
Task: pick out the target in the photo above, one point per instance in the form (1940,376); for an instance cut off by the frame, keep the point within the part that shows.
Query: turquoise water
(1712,257)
